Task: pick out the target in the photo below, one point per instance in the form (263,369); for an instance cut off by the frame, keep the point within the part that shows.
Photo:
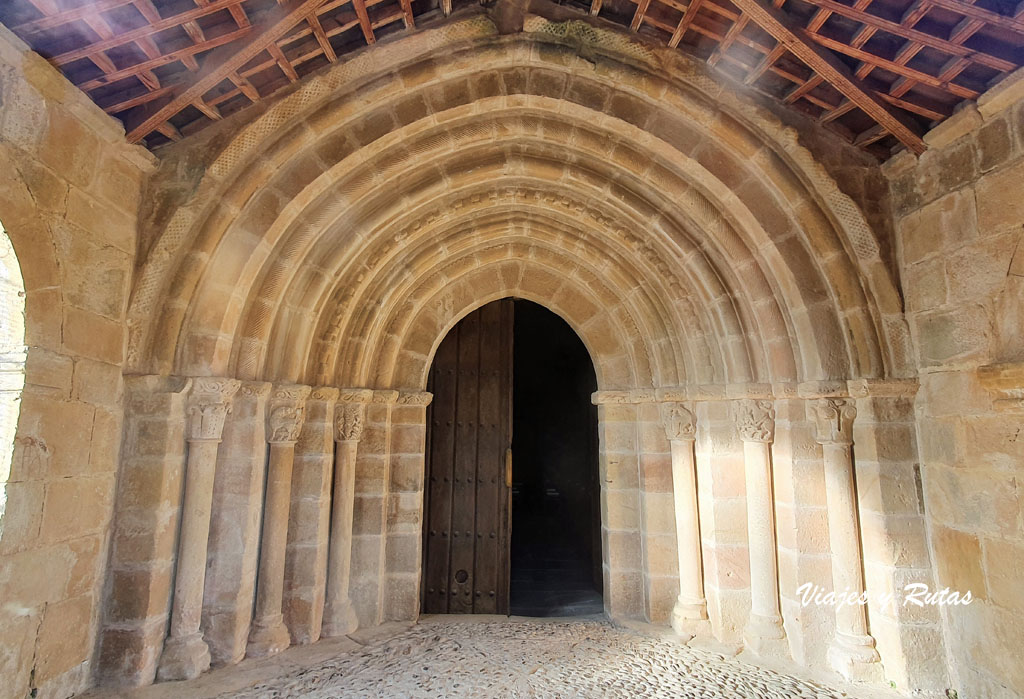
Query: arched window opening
(12,357)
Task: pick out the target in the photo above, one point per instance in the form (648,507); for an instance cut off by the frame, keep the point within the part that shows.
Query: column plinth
(339,613)
(690,612)
(185,654)
(852,653)
(285,415)
(764,633)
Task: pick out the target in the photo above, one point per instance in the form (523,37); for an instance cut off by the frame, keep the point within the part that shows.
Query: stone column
(185,653)
(285,414)
(349,416)
(852,653)
(764,632)
(690,606)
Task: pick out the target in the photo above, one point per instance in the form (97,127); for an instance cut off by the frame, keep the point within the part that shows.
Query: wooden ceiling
(878,72)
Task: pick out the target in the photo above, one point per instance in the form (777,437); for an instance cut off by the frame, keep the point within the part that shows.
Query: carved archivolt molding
(755,420)
(680,423)
(833,418)
(286,413)
(208,406)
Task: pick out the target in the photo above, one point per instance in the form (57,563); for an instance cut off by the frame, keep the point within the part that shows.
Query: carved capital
(680,423)
(208,406)
(833,418)
(348,421)
(286,412)
(755,420)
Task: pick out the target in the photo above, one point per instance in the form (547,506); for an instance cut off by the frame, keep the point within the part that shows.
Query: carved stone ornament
(286,412)
(348,421)
(680,423)
(834,420)
(756,420)
(208,406)
(324,393)
(421,398)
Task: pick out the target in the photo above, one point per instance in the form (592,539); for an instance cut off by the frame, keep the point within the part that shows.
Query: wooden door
(466,527)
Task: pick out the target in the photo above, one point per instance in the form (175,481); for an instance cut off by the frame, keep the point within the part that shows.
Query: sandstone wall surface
(959,216)
(69,192)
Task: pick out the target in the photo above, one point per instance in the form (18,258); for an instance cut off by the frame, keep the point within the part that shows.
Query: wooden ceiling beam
(364,20)
(767,62)
(282,61)
(830,68)
(124,103)
(987,16)
(223,62)
(410,20)
(735,30)
(322,39)
(685,22)
(148,30)
(178,55)
(51,21)
(893,67)
(914,35)
(638,15)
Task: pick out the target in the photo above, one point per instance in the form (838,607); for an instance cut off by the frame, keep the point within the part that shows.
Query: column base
(268,637)
(339,620)
(690,617)
(855,658)
(183,658)
(765,636)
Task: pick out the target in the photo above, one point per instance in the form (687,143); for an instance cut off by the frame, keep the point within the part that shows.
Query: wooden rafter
(364,20)
(208,55)
(684,23)
(829,67)
(228,60)
(906,32)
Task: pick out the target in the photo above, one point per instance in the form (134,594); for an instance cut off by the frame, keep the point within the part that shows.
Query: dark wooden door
(466,529)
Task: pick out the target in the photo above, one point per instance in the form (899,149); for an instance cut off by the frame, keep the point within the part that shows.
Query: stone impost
(285,414)
(349,417)
(690,606)
(763,633)
(186,654)
(852,653)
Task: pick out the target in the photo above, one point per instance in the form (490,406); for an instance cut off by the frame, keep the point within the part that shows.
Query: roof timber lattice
(879,72)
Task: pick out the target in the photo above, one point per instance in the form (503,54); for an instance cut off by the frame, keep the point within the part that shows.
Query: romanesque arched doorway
(511,505)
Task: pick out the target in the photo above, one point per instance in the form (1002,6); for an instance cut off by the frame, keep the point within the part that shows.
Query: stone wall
(68,198)
(959,214)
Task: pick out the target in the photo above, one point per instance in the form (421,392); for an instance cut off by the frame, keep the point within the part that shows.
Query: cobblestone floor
(463,658)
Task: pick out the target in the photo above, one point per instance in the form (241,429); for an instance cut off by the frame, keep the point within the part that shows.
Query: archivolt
(683,233)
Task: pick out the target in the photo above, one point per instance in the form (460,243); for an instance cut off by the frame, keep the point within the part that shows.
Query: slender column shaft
(691,601)
(764,573)
(757,428)
(186,612)
(269,634)
(680,428)
(285,416)
(339,614)
(853,648)
(185,653)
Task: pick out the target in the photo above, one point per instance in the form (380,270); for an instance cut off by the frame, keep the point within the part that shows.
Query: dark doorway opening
(512,514)
(556,510)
